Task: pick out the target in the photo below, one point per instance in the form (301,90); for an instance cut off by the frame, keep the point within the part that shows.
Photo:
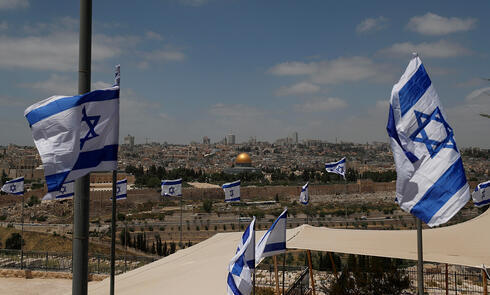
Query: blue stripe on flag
(232,200)
(484,185)
(440,192)
(21,179)
(232,285)
(66,103)
(231,184)
(94,158)
(54,181)
(413,89)
(238,266)
(120,197)
(275,247)
(65,196)
(172,182)
(482,203)
(122,181)
(391,128)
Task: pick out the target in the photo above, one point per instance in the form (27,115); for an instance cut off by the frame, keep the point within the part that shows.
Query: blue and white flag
(76,135)
(14,186)
(336,167)
(431,182)
(172,188)
(304,197)
(274,240)
(481,195)
(121,189)
(67,191)
(241,267)
(232,191)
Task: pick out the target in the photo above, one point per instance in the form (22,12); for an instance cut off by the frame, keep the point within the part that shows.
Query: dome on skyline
(243,158)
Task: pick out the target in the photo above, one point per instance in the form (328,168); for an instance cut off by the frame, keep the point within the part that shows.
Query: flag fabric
(240,269)
(336,167)
(481,195)
(76,135)
(67,191)
(232,191)
(121,189)
(172,188)
(431,182)
(304,197)
(14,186)
(274,240)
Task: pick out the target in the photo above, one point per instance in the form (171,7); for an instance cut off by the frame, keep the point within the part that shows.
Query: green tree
(14,242)
(207,206)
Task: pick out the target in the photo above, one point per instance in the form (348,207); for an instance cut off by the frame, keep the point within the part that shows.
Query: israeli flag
(431,182)
(241,267)
(67,191)
(274,240)
(76,135)
(232,191)
(336,167)
(121,189)
(172,188)
(304,197)
(14,186)
(481,196)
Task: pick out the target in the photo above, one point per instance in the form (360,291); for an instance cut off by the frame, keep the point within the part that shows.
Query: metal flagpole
(253,247)
(113,231)
(420,264)
(180,244)
(276,274)
(125,246)
(22,236)
(283,269)
(81,205)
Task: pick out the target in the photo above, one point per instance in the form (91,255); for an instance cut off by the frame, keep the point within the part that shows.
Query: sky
(194,68)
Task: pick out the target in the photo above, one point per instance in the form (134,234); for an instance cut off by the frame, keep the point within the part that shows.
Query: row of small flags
(248,255)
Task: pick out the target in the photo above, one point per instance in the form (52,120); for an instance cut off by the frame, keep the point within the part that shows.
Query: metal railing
(49,261)
(302,284)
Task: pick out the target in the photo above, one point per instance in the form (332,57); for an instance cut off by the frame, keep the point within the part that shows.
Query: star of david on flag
(14,186)
(172,188)
(76,135)
(336,167)
(242,265)
(67,191)
(304,197)
(232,191)
(431,181)
(481,195)
(121,189)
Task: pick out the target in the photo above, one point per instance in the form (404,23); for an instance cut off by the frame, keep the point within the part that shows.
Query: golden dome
(243,158)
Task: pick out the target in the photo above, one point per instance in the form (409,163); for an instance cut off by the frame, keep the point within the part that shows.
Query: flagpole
(113,231)
(420,263)
(180,244)
(81,206)
(22,235)
(253,247)
(283,269)
(276,274)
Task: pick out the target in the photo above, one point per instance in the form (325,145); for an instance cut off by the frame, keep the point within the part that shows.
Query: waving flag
(481,195)
(172,188)
(121,189)
(431,182)
(14,186)
(232,191)
(336,167)
(274,240)
(66,192)
(304,197)
(76,135)
(239,279)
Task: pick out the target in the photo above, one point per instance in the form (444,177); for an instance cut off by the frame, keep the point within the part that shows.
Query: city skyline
(194,68)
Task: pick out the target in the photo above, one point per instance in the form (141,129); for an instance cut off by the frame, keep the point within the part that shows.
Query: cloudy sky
(192,68)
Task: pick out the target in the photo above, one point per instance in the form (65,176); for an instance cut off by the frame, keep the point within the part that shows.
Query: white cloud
(340,70)
(61,85)
(56,51)
(439,49)
(435,25)
(372,24)
(153,36)
(161,56)
(322,105)
(298,88)
(13,4)
(479,94)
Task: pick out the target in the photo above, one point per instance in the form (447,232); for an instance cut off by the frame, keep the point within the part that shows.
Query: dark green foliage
(33,200)
(14,242)
(207,206)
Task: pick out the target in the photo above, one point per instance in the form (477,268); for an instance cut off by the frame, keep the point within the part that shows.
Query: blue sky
(194,68)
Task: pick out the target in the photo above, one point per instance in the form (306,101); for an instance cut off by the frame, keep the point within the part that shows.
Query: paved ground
(20,286)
